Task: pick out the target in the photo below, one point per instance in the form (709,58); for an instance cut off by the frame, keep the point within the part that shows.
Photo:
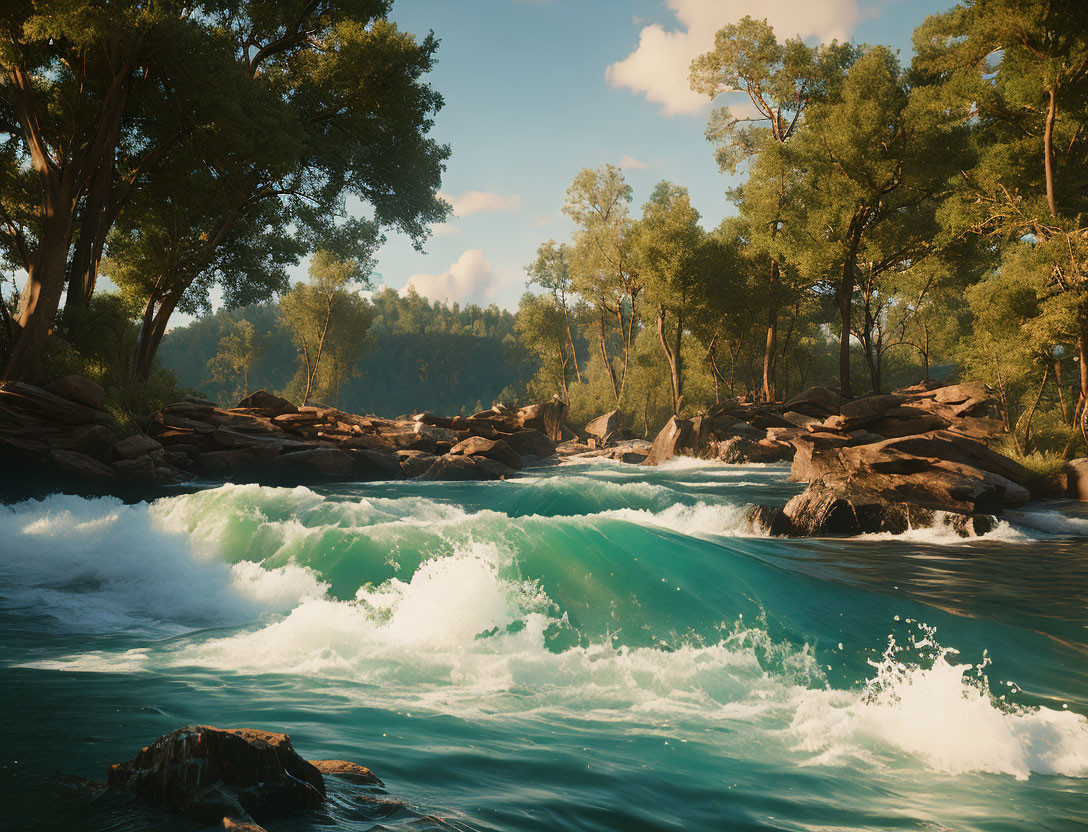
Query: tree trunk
(152,331)
(845,294)
(573,351)
(1048,152)
(670,357)
(40,298)
(768,394)
(607,358)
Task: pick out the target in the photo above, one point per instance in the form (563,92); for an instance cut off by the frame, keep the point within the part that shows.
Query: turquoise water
(597,647)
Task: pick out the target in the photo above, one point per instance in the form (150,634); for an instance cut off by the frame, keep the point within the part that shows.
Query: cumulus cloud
(472,279)
(658,67)
(631,163)
(481,202)
(444,230)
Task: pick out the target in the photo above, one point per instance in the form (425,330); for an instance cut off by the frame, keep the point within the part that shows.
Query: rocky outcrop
(266,439)
(677,438)
(606,426)
(211,773)
(1075,474)
(233,777)
(60,438)
(888,462)
(550,418)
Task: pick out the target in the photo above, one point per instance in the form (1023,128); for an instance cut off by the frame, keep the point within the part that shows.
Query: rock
(82,466)
(549,417)
(238,825)
(822,398)
(352,772)
(740,451)
(825,511)
(530,443)
(226,463)
(1076,473)
(955,393)
(434,433)
(267,403)
(371,464)
(461,467)
(672,440)
(322,463)
(135,446)
(725,427)
(90,439)
(606,425)
(415,463)
(48,407)
(211,773)
(860,411)
(495,449)
(137,468)
(78,389)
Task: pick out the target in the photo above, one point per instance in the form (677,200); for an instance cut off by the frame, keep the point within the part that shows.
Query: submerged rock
(212,773)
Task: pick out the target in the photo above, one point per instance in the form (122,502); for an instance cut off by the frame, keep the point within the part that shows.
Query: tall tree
(602,266)
(69,71)
(328,323)
(875,162)
(780,81)
(551,271)
(1017,72)
(671,249)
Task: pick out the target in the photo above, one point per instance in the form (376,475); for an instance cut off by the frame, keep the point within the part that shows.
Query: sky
(536,90)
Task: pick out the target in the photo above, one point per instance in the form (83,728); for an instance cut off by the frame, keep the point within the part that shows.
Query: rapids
(592,646)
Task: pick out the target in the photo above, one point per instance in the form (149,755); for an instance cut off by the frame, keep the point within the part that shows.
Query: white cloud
(444,230)
(629,162)
(658,67)
(472,279)
(481,202)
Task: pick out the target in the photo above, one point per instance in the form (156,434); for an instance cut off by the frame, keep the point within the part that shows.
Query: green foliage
(238,352)
(328,322)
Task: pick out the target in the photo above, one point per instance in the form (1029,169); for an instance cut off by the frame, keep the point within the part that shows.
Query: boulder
(320,463)
(226,463)
(372,464)
(822,511)
(211,773)
(672,440)
(495,449)
(135,446)
(78,389)
(549,417)
(606,425)
(955,393)
(530,443)
(48,407)
(434,433)
(90,439)
(1076,478)
(268,403)
(137,468)
(461,467)
(822,398)
(415,463)
(352,772)
(740,451)
(870,408)
(81,466)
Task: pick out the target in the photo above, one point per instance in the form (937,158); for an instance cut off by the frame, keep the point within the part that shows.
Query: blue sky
(535,90)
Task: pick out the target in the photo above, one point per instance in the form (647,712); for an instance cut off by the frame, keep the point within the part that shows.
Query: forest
(896,220)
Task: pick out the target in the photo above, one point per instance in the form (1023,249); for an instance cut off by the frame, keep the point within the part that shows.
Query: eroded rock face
(268,403)
(79,389)
(214,773)
(606,425)
(495,449)
(676,438)
(1076,479)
